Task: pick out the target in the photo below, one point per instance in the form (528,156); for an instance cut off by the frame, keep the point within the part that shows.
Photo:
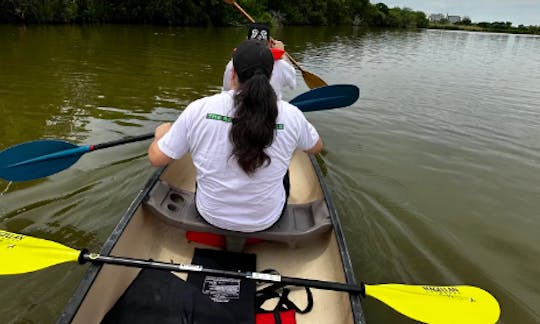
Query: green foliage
(374,16)
(317,12)
(220,13)
(381,16)
(499,27)
(465,21)
(35,11)
(521,29)
(182,12)
(303,12)
(93,11)
(172,12)
(382,8)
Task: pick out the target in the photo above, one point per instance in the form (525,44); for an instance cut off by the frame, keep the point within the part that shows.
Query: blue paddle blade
(38,159)
(328,97)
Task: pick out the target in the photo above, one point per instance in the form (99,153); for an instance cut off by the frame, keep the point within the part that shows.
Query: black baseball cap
(252,57)
(258,31)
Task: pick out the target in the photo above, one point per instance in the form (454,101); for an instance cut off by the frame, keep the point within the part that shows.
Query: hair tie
(260,71)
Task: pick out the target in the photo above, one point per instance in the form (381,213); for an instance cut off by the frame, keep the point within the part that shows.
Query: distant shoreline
(531,30)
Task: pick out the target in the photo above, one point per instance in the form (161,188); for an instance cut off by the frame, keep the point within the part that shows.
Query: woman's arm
(156,157)
(317,148)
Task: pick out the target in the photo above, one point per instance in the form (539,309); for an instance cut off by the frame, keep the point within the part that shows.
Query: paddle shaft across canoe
(425,303)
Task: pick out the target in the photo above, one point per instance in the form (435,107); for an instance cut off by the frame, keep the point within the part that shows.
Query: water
(435,170)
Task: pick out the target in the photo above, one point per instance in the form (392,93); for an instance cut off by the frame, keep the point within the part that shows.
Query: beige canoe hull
(140,234)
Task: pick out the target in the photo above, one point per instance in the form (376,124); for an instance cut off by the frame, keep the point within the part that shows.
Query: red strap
(214,240)
(210,239)
(286,317)
(277,53)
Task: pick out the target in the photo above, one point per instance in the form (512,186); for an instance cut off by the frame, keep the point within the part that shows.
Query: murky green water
(435,170)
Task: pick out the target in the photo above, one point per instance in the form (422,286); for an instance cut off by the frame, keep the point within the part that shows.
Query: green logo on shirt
(228,119)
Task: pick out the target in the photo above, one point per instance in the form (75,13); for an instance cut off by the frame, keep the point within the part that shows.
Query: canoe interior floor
(147,237)
(158,241)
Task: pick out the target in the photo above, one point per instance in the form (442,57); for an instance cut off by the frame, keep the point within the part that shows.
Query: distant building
(453,19)
(444,18)
(436,17)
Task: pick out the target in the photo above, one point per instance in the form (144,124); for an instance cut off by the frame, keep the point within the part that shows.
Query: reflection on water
(435,171)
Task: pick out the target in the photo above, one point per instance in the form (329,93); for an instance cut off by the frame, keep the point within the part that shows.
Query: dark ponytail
(254,120)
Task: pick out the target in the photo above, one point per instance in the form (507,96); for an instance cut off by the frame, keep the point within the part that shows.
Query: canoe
(307,242)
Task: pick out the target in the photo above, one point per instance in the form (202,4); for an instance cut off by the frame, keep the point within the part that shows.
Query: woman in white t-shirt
(241,142)
(283,74)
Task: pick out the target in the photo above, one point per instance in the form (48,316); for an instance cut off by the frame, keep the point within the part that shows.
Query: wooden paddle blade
(439,304)
(21,254)
(312,81)
(37,159)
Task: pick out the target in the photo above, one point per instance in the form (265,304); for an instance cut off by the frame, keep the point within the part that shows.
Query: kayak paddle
(337,95)
(41,158)
(312,81)
(430,304)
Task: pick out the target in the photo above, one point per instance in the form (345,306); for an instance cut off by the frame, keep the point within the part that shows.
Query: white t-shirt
(226,196)
(283,76)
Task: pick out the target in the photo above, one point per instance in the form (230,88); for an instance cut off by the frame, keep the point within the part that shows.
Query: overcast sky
(526,12)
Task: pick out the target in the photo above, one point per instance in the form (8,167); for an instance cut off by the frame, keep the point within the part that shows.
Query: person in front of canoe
(241,142)
(283,75)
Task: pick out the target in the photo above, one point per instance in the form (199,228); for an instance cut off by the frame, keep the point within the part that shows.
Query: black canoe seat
(300,222)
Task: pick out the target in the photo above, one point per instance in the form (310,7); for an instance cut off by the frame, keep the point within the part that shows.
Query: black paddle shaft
(191,268)
(123,141)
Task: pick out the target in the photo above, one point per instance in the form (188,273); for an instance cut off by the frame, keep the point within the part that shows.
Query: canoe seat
(299,223)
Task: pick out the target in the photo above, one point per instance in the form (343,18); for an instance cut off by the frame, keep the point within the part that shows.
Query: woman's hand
(155,156)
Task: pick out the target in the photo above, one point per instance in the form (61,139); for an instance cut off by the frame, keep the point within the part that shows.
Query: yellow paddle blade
(439,304)
(20,253)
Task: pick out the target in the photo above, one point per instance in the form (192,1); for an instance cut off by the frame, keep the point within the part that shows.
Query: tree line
(496,26)
(209,12)
(506,26)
